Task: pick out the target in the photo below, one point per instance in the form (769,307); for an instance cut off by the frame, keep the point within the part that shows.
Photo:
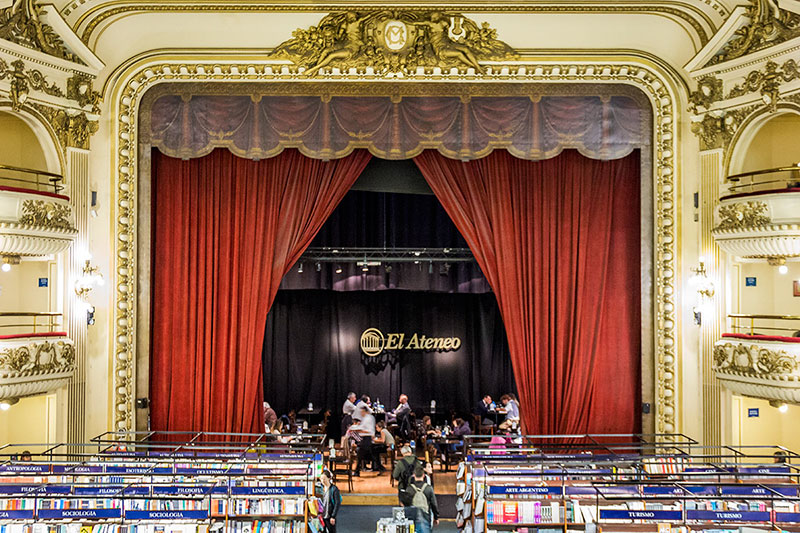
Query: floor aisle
(363,519)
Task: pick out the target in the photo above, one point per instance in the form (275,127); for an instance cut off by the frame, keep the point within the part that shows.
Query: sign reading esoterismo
(374,342)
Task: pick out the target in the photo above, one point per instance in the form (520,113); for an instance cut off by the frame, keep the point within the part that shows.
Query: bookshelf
(156,485)
(534,485)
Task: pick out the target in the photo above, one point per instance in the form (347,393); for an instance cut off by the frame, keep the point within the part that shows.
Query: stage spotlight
(365,268)
(338,269)
(444,269)
(430,267)
(318,266)
(388,268)
(300,268)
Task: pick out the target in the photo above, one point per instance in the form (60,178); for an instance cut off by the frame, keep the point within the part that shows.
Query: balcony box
(34,222)
(759,366)
(35,363)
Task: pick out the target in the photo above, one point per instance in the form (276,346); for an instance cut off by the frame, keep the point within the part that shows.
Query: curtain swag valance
(598,127)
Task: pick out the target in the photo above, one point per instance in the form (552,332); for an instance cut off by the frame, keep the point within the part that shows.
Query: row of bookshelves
(234,526)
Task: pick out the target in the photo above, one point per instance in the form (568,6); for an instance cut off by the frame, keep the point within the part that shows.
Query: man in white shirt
(348,409)
(366,429)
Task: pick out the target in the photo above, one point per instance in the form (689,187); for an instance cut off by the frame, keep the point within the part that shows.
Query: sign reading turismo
(373,342)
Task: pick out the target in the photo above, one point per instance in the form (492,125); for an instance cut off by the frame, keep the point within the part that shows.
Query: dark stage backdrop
(312,349)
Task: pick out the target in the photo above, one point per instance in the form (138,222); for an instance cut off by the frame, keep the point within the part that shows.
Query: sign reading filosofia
(374,342)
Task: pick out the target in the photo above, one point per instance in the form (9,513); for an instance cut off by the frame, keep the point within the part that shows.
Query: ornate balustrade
(34,222)
(764,362)
(34,363)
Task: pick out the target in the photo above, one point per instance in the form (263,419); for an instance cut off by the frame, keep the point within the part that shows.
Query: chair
(392,454)
(480,427)
(343,464)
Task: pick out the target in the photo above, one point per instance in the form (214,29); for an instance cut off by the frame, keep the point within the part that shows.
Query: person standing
(331,501)
(270,416)
(348,409)
(366,430)
(423,499)
(404,472)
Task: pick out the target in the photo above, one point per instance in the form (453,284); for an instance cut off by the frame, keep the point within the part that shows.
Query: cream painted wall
(773,145)
(19,146)
(31,421)
(770,427)
(20,292)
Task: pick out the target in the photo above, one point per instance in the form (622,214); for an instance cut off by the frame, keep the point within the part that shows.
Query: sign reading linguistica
(374,342)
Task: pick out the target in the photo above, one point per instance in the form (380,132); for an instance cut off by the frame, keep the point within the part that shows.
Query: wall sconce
(8,261)
(705,291)
(780,406)
(779,262)
(83,286)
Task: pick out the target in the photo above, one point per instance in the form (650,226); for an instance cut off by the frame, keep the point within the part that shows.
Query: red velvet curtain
(226,230)
(558,241)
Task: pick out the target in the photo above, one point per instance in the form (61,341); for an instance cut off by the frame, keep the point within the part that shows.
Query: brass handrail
(753,317)
(51,320)
(54,180)
(736,186)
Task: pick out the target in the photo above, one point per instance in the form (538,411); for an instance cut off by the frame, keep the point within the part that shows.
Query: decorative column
(78,179)
(714,318)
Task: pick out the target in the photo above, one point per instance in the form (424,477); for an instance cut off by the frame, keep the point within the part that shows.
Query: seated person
(512,413)
(460,429)
(402,410)
(485,410)
(382,442)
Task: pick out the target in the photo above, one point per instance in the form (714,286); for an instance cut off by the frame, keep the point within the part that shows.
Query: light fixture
(9,260)
(780,406)
(338,269)
(300,268)
(83,286)
(444,269)
(388,268)
(364,267)
(430,267)
(318,265)
(6,404)
(705,291)
(779,262)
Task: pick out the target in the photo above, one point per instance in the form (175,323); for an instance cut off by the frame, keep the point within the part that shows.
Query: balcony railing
(772,325)
(18,324)
(30,179)
(767,180)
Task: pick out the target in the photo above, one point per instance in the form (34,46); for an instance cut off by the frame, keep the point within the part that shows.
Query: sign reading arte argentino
(374,342)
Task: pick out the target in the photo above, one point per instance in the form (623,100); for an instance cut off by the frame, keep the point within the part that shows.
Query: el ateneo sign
(374,342)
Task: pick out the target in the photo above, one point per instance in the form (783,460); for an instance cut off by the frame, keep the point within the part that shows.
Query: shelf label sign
(196,490)
(111,490)
(167,515)
(787,517)
(26,469)
(495,489)
(729,516)
(80,513)
(621,514)
(16,515)
(759,491)
(267,491)
(34,489)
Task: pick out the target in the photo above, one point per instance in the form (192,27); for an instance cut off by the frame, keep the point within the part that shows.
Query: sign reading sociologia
(374,342)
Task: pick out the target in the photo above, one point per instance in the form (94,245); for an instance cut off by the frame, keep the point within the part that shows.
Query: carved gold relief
(754,360)
(768,82)
(20,23)
(393,42)
(72,129)
(80,88)
(46,214)
(769,25)
(22,81)
(743,215)
(709,90)
(38,357)
(717,131)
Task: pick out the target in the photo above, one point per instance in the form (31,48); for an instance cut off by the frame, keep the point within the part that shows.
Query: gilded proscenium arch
(690,16)
(125,94)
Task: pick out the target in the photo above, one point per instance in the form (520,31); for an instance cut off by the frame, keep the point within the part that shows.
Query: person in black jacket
(331,501)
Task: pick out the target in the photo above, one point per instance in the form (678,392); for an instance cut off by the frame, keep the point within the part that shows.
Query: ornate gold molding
(743,215)
(768,82)
(20,24)
(22,81)
(717,130)
(46,214)
(754,360)
(709,90)
(769,25)
(73,130)
(80,89)
(393,42)
(657,86)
